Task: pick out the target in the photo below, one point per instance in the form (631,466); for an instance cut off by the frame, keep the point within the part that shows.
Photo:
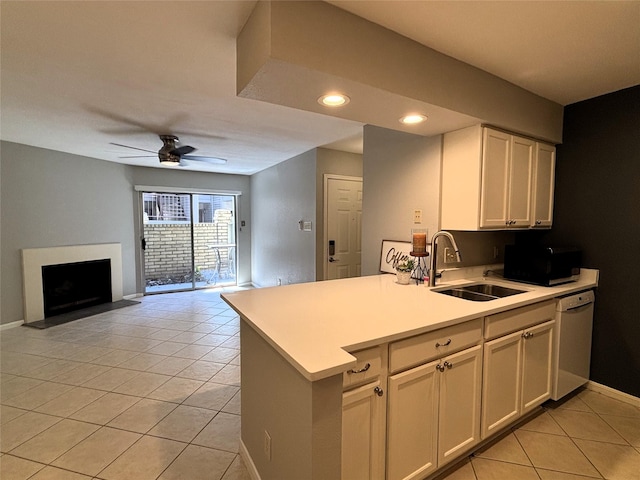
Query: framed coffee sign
(393,252)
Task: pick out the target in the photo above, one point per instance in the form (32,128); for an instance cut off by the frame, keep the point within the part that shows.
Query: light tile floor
(152,391)
(586,435)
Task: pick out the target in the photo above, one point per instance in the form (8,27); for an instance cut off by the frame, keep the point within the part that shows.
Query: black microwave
(540,265)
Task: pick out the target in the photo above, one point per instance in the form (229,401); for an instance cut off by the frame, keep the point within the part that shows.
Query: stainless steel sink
(480,292)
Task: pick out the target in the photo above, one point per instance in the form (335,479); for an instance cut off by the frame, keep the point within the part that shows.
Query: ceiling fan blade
(134,148)
(184,150)
(212,160)
(139,156)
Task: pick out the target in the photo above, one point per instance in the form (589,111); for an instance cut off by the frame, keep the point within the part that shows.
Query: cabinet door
(501,383)
(363,440)
(544,178)
(520,182)
(460,399)
(495,177)
(537,351)
(412,426)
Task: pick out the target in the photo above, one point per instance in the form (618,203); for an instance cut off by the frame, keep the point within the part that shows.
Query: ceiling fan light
(334,100)
(170,162)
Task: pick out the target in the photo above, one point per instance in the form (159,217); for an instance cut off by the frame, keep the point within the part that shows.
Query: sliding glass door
(189,241)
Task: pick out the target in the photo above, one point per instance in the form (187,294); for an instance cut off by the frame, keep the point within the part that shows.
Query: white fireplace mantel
(33,259)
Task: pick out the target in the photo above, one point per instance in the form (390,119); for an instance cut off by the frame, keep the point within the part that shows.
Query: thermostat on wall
(305,225)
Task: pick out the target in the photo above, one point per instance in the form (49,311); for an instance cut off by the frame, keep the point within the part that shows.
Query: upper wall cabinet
(544,180)
(493,180)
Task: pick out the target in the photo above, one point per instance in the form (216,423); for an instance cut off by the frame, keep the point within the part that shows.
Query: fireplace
(72,286)
(36,260)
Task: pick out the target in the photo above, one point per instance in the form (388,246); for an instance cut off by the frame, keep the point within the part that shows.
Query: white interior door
(343,227)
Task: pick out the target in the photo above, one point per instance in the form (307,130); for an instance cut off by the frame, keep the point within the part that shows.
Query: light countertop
(315,325)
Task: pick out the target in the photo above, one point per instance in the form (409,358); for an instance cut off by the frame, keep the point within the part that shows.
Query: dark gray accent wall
(597,207)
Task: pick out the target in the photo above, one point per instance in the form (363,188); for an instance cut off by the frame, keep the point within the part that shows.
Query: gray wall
(51,198)
(401,174)
(597,208)
(282,196)
(337,163)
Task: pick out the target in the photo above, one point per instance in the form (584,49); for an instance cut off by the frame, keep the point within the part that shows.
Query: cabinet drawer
(519,318)
(422,348)
(368,367)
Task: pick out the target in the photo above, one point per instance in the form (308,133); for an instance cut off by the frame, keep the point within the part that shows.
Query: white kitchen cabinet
(489,181)
(412,427)
(501,381)
(506,180)
(517,375)
(433,414)
(537,361)
(363,432)
(459,404)
(543,189)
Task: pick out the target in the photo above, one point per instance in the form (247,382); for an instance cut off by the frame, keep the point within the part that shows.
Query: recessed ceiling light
(413,119)
(334,100)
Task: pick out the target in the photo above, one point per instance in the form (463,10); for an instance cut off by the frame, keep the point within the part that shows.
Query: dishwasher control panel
(575,301)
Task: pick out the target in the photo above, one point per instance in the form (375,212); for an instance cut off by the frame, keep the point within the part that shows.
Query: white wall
(401,174)
(282,196)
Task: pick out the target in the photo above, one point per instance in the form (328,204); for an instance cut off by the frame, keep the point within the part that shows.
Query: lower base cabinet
(517,375)
(433,414)
(363,432)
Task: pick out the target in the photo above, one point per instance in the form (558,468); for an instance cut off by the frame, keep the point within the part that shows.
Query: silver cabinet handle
(378,391)
(538,222)
(363,369)
(445,344)
(448,365)
(440,368)
(527,335)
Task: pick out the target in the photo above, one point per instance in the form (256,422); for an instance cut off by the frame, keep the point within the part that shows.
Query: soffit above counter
(290,53)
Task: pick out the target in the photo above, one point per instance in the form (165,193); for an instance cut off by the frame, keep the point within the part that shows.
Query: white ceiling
(78,76)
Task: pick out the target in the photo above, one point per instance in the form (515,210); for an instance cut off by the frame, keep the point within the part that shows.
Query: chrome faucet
(434,254)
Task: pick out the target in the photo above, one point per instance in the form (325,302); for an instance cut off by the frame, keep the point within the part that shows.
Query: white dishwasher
(574,324)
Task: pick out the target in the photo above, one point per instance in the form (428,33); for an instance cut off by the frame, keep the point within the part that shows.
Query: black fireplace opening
(72,286)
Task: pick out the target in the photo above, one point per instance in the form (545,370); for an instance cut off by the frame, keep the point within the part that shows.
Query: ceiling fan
(171,155)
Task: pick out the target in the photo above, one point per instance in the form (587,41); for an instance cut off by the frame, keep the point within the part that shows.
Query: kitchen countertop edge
(333,357)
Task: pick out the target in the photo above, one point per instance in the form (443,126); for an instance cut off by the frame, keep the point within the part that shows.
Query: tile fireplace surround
(33,259)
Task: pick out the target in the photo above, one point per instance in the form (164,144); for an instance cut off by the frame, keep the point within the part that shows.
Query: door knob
(331,260)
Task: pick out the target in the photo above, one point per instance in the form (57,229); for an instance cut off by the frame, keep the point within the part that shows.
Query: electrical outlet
(449,255)
(417,216)
(267,445)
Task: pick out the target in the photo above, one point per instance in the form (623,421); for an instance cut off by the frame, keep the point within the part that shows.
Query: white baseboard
(7,326)
(613,393)
(248,462)
(132,296)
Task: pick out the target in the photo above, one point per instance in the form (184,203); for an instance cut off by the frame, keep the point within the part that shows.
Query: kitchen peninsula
(299,341)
